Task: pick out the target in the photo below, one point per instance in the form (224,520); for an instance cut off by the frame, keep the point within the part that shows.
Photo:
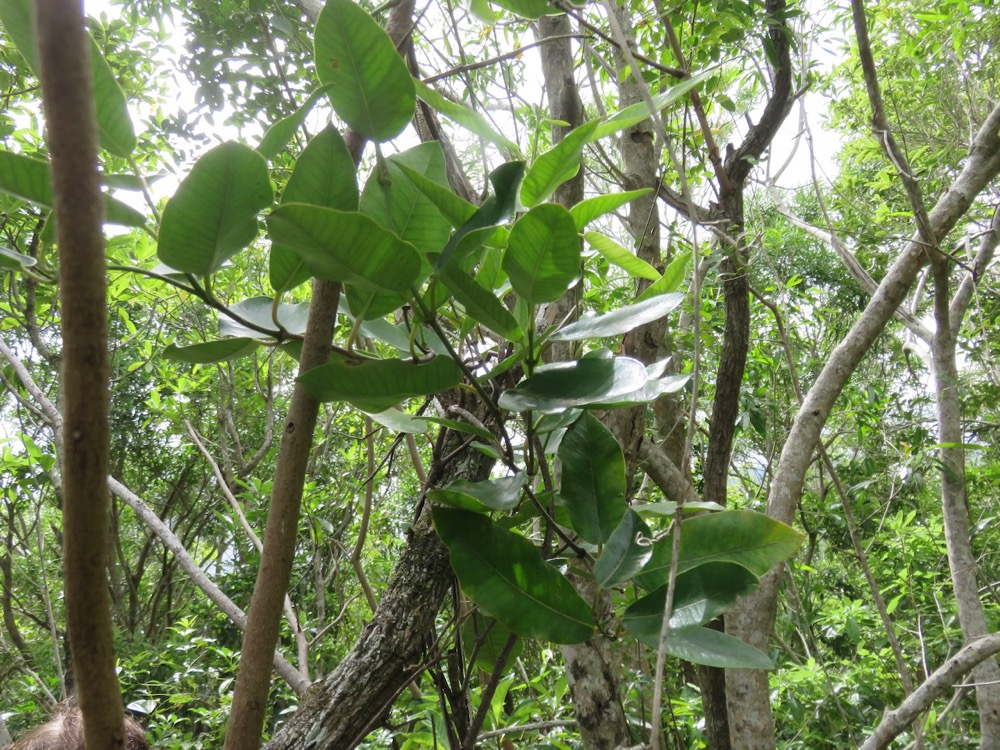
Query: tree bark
(753,618)
(67,99)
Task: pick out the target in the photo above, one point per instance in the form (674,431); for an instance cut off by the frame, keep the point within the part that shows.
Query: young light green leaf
(452,207)
(587,210)
(593,479)
(400,421)
(543,254)
(627,550)
(635,114)
(376,385)
(744,537)
(505,574)
(530,9)
(281,132)
(345,246)
(212,351)
(370,86)
(13,259)
(557,165)
(621,320)
(701,645)
(619,256)
(561,385)
(261,311)
(213,213)
(670,282)
(467,118)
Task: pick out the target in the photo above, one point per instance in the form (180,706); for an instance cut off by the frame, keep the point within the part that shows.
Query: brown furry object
(65,732)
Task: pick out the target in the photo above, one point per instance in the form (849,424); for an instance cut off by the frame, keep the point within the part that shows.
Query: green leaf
(211,351)
(629,548)
(670,282)
(635,114)
(493,494)
(370,86)
(15,260)
(481,304)
(701,596)
(376,385)
(543,254)
(114,125)
(467,118)
(557,165)
(345,246)
(619,256)
(702,645)
(497,208)
(400,421)
(620,321)
(742,537)
(407,211)
(324,175)
(261,311)
(457,210)
(593,479)
(505,574)
(213,214)
(590,209)
(281,132)
(562,385)
(470,429)
(652,390)
(30,179)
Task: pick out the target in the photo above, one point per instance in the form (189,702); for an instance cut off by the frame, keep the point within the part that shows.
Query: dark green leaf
(620,321)
(213,214)
(376,385)
(702,645)
(627,550)
(593,479)
(494,494)
(481,304)
(371,88)
(543,254)
(505,574)
(562,385)
(744,537)
(345,246)
(211,351)
(485,638)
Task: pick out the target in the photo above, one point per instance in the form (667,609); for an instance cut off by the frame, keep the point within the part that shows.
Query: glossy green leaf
(490,494)
(212,351)
(261,311)
(590,209)
(557,165)
(701,645)
(593,479)
(497,208)
(701,595)
(481,304)
(370,86)
(114,126)
(619,256)
(652,390)
(13,259)
(543,254)
(505,574)
(213,213)
(376,385)
(744,537)
(627,550)
(468,118)
(562,385)
(669,508)
(324,175)
(345,246)
(406,210)
(621,320)
(281,132)
(671,280)
(30,179)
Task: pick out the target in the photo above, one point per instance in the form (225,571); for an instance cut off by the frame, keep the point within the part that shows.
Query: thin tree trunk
(67,98)
(955,506)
